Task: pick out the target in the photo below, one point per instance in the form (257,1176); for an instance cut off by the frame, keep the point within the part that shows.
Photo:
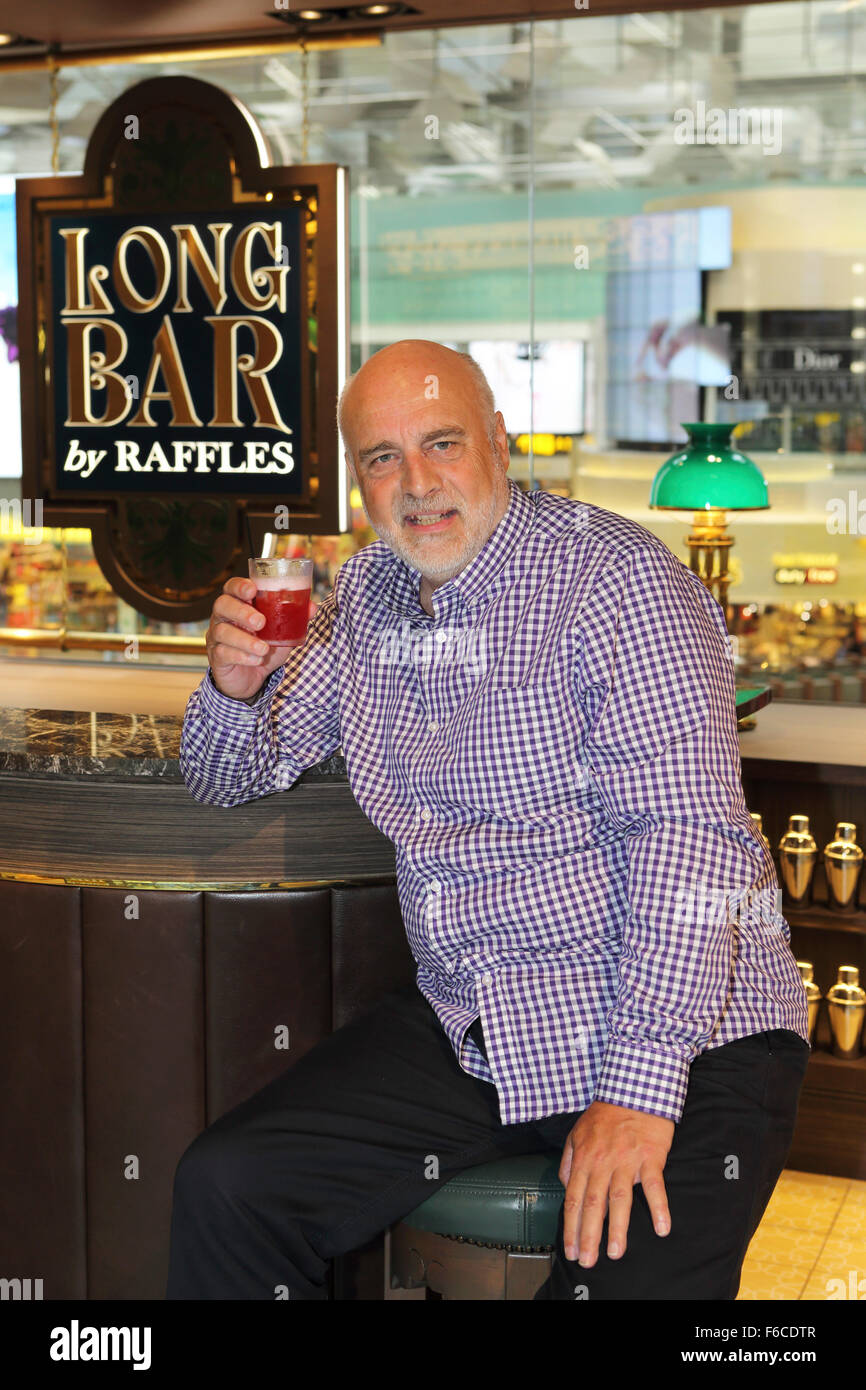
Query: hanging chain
(305,102)
(52,114)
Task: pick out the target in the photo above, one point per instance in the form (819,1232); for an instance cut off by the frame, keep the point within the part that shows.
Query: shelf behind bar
(65,640)
(822,918)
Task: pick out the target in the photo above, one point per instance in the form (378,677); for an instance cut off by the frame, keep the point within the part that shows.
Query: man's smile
(430,521)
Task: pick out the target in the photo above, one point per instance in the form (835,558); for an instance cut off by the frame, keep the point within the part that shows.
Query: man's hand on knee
(609,1150)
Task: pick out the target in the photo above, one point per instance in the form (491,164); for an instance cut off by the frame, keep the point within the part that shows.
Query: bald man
(535,702)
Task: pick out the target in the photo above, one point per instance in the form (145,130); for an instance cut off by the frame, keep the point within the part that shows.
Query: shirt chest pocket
(520,749)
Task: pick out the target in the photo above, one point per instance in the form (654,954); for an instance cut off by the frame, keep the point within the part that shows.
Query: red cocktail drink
(283,588)
(285,604)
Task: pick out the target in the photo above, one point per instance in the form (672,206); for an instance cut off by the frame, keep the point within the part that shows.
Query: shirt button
(487,979)
(432,726)
(426,814)
(441,636)
(434,885)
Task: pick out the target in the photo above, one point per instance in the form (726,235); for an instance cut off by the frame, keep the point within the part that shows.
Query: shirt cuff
(641,1078)
(235,713)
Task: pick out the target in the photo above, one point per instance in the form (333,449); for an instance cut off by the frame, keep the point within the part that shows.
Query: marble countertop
(68,743)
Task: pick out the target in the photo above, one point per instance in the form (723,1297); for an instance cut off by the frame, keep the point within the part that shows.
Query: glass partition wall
(631,222)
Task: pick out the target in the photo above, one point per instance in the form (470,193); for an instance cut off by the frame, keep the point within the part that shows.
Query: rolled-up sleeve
(656,685)
(231,752)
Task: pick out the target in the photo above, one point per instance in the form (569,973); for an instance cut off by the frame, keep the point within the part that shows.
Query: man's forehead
(409,384)
(405,410)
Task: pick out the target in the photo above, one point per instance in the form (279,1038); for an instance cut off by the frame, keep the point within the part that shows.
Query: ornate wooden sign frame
(173,150)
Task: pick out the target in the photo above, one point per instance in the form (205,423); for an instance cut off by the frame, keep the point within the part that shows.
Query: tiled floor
(811,1243)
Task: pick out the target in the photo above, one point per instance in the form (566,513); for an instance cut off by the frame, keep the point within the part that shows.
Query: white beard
(447,561)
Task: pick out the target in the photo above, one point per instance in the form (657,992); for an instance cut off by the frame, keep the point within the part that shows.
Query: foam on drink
(288,581)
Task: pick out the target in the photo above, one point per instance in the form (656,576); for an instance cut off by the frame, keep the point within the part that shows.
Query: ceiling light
(379,9)
(7,38)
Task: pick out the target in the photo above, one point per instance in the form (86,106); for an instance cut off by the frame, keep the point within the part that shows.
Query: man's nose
(420,474)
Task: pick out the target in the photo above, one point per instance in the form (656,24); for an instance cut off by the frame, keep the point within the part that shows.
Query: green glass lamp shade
(709,474)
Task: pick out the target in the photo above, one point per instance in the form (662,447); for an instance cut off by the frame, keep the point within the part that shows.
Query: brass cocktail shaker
(797,855)
(813,995)
(846,1003)
(756,817)
(843,860)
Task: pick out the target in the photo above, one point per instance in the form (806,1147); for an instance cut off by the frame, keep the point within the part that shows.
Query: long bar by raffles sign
(184,338)
(202,315)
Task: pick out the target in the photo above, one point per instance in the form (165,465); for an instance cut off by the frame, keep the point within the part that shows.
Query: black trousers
(374,1118)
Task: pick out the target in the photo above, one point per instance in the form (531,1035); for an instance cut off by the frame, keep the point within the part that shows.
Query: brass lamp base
(709,544)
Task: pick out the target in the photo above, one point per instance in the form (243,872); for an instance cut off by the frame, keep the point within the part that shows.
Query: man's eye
(437,444)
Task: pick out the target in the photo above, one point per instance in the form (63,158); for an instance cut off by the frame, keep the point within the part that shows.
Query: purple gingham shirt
(554,756)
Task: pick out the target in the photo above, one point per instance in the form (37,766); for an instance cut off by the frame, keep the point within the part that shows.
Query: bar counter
(163,960)
(99,799)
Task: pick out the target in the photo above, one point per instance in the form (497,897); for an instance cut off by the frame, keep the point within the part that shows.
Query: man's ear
(501,438)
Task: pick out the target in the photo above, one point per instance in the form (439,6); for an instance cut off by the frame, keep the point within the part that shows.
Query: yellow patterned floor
(811,1243)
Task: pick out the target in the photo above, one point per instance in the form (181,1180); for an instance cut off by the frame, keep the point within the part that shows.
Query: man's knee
(216,1162)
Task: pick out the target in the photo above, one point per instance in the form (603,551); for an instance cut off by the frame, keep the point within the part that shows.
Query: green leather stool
(487,1233)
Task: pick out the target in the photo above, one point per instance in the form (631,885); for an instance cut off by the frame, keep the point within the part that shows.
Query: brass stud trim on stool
(488,1245)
